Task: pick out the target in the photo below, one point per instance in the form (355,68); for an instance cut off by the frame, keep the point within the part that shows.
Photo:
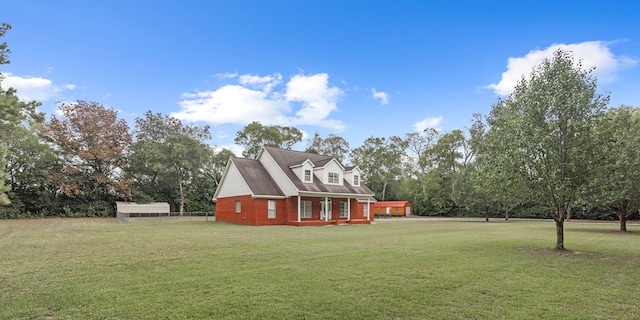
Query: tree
(616,181)
(4,50)
(29,163)
(166,158)
(215,165)
(381,162)
(333,145)
(13,114)
(540,136)
(254,136)
(92,144)
(468,193)
(468,189)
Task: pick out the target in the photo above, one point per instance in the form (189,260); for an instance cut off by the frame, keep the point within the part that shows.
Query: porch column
(349,209)
(326,208)
(298,208)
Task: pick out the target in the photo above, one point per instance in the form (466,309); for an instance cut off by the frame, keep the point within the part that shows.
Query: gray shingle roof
(286,158)
(257,177)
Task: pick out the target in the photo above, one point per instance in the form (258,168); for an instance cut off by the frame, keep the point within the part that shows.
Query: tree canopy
(254,136)
(540,136)
(13,112)
(615,183)
(92,144)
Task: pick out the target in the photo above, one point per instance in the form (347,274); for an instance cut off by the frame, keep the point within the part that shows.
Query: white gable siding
(281,179)
(299,172)
(348,175)
(234,184)
(307,166)
(332,166)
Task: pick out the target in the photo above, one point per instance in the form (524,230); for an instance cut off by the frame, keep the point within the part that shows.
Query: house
(286,187)
(392,208)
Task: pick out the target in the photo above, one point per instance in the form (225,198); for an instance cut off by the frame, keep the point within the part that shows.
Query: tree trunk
(486,214)
(506,215)
(623,222)
(559,234)
(181,198)
(384,189)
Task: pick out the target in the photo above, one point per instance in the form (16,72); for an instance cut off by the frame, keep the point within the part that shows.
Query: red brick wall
(226,209)
(261,214)
(255,211)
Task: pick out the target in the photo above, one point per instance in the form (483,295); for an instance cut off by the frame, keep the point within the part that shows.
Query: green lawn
(395,269)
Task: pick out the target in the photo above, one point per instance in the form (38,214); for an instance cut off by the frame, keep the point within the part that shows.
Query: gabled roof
(257,178)
(288,158)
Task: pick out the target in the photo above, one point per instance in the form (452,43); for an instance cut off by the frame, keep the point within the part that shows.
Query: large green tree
(29,163)
(254,136)
(167,157)
(615,184)
(13,115)
(332,145)
(540,136)
(381,162)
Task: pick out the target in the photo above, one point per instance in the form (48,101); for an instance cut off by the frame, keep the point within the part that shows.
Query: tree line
(554,147)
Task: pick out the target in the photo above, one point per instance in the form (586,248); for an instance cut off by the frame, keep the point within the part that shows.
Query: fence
(164,216)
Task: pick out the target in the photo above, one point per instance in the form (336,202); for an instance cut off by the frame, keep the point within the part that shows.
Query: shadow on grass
(608,231)
(551,251)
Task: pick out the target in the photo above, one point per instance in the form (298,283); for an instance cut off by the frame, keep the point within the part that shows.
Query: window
(307,176)
(334,177)
(344,210)
(305,209)
(271,209)
(366,210)
(238,207)
(356,180)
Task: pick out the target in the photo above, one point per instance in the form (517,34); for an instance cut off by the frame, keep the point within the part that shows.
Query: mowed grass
(395,269)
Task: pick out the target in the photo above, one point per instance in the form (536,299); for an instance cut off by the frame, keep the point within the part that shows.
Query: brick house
(286,187)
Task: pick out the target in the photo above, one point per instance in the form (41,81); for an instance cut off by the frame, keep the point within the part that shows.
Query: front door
(325,209)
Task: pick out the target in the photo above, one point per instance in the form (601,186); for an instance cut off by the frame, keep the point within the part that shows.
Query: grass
(395,269)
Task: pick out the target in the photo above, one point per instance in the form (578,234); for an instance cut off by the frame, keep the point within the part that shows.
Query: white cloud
(33,88)
(381,95)
(266,83)
(226,75)
(305,100)
(592,53)
(428,123)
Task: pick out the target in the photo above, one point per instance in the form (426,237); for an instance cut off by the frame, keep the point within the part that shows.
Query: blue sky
(353,68)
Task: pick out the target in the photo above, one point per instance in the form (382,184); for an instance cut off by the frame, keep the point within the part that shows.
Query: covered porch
(316,209)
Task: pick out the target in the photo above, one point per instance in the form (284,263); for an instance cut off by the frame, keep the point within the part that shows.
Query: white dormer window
(356,180)
(307,175)
(334,178)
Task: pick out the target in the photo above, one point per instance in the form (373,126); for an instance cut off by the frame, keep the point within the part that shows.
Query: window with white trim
(334,177)
(344,210)
(356,180)
(366,210)
(238,206)
(271,209)
(307,175)
(305,209)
